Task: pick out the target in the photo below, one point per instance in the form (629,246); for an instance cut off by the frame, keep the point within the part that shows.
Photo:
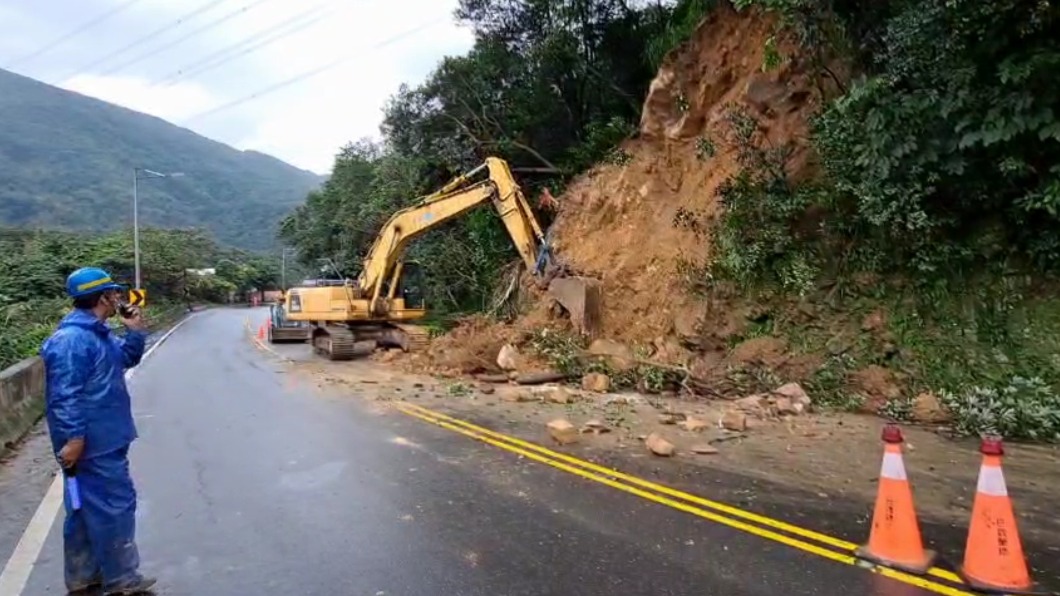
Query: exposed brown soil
(877,385)
(618,222)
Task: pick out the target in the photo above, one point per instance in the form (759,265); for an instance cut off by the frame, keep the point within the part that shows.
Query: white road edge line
(19,567)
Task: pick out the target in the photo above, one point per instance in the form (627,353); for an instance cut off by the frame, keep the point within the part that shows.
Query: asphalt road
(256,482)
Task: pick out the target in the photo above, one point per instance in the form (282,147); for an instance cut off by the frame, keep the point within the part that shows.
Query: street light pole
(136,226)
(136,214)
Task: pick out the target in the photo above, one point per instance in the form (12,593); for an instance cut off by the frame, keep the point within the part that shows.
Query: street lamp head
(154,174)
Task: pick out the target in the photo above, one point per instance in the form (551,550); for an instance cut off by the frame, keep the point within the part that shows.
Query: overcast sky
(132,56)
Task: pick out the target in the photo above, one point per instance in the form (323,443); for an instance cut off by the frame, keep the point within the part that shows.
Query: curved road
(254,482)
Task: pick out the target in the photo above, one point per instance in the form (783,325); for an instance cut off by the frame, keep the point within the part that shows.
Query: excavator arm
(343,316)
(453,200)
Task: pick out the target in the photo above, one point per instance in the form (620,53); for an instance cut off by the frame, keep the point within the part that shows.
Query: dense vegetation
(67,163)
(550,85)
(34,266)
(942,181)
(938,200)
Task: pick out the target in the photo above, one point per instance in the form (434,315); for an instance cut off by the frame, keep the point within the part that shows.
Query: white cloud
(305,123)
(173,103)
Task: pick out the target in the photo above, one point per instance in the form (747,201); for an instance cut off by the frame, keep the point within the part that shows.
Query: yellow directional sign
(138,297)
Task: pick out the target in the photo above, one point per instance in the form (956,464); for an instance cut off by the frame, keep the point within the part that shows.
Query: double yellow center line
(816,543)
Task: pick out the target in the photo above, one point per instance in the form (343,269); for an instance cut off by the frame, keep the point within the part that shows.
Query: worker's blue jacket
(85,366)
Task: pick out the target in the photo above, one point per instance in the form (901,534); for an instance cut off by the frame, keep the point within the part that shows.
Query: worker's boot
(91,587)
(140,585)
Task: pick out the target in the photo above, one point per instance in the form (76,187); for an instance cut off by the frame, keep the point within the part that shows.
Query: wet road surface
(253,481)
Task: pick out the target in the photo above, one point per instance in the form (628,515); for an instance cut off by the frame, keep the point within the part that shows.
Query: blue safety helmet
(90,280)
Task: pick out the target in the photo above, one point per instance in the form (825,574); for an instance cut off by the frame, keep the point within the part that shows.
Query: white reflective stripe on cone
(893,467)
(992,481)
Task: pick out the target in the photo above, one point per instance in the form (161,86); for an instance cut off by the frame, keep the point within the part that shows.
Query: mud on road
(826,465)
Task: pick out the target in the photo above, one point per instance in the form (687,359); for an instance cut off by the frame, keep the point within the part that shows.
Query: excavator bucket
(580,297)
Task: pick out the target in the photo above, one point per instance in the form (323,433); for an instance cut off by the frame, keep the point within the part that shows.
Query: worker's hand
(71,452)
(135,320)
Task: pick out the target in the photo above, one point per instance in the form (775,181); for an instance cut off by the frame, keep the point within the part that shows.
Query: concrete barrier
(21,400)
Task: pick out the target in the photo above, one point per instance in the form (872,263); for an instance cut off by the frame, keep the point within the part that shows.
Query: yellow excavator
(384,303)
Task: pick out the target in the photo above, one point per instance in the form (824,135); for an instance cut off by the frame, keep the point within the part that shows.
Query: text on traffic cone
(894,540)
(993,555)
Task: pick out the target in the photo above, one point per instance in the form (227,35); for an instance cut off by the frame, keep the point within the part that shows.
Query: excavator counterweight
(382,306)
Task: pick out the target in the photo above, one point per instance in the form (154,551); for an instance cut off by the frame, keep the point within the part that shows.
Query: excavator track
(417,337)
(335,343)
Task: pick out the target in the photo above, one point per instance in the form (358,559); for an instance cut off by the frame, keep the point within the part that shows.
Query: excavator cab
(411,286)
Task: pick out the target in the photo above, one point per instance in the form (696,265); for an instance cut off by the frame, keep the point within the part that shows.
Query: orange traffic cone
(895,537)
(993,555)
(261,331)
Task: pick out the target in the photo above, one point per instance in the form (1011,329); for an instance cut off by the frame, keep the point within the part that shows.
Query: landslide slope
(620,221)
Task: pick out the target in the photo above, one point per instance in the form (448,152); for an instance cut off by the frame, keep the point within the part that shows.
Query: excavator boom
(453,200)
(379,299)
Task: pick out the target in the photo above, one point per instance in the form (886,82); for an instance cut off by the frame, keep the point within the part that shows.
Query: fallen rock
(659,446)
(492,378)
(562,431)
(619,356)
(795,393)
(751,403)
(704,449)
(734,420)
(786,407)
(557,395)
(596,427)
(596,382)
(694,424)
(624,400)
(508,357)
(486,388)
(928,409)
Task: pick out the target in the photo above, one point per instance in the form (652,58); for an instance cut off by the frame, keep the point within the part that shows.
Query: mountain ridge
(68,162)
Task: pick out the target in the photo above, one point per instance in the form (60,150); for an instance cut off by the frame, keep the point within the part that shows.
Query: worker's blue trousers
(99,542)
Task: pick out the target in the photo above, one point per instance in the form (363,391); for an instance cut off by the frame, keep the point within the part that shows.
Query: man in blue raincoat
(91,425)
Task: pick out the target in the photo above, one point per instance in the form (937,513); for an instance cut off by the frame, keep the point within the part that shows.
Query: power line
(70,34)
(180,21)
(208,26)
(212,64)
(210,61)
(312,73)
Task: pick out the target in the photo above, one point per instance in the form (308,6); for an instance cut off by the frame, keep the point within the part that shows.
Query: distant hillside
(66,162)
